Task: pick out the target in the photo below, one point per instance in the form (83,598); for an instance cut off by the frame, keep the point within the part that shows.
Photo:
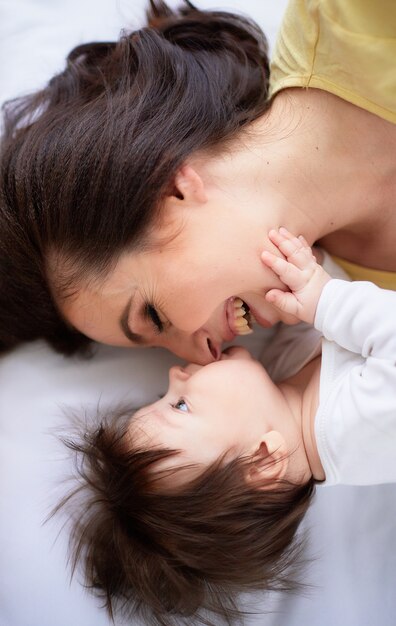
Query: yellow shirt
(346,47)
(384,279)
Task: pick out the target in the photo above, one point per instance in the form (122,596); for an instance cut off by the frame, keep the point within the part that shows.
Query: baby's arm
(300,271)
(358,316)
(355,423)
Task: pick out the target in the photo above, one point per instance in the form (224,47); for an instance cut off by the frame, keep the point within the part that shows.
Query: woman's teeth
(242,318)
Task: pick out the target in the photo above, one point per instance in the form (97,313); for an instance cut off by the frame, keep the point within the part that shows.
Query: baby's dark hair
(150,549)
(87,161)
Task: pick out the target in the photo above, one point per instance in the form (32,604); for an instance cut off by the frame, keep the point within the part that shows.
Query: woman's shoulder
(326,45)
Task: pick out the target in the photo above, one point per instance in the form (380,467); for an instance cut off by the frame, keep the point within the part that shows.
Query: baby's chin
(237,353)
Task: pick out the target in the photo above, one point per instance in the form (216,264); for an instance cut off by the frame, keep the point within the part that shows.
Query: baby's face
(209,410)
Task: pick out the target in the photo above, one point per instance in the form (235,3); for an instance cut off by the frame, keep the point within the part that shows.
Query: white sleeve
(355,423)
(359,317)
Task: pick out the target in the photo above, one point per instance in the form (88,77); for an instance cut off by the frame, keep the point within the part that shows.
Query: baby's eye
(181,405)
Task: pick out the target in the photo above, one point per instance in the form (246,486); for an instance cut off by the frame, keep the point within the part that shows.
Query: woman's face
(184,293)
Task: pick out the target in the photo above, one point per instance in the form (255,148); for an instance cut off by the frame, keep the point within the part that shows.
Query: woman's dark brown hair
(86,161)
(160,552)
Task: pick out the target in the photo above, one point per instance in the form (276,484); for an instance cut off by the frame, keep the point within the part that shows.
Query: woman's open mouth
(239,317)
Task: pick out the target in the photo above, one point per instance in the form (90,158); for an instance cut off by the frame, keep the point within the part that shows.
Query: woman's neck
(336,166)
(302,395)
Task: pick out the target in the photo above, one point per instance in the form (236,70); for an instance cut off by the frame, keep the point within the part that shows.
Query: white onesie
(355,424)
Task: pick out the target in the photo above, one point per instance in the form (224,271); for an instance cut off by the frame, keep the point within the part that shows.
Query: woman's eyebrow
(124,324)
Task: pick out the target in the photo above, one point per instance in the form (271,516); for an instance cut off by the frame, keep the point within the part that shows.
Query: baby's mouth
(241,319)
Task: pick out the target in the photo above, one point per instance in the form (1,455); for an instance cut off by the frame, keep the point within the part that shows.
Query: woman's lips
(214,349)
(238,317)
(234,309)
(262,321)
(229,333)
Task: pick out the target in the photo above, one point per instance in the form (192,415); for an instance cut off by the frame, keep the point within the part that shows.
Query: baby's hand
(299,271)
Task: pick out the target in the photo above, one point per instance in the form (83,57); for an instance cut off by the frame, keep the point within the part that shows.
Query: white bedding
(353,530)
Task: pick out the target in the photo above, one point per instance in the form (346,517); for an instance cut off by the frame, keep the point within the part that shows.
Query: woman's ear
(189,186)
(269,461)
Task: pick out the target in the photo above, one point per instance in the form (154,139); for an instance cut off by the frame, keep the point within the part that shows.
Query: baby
(198,497)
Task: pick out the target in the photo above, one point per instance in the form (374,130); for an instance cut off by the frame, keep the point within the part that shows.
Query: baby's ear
(269,461)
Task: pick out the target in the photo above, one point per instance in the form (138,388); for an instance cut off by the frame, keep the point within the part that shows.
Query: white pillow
(36,387)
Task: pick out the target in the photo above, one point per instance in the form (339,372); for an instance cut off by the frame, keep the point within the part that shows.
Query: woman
(139,186)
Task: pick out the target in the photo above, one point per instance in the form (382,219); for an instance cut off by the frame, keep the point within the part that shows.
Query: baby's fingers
(284,301)
(295,249)
(289,274)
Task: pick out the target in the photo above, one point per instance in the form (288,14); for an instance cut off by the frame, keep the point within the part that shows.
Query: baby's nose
(178,373)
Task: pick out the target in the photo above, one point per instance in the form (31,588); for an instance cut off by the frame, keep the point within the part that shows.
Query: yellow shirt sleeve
(346,47)
(381,278)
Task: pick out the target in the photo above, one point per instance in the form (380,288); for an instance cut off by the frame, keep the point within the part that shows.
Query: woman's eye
(152,315)
(181,405)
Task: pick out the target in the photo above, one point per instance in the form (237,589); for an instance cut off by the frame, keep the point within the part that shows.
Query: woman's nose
(198,347)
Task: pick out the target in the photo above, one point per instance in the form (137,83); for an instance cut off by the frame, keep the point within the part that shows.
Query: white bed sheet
(353,530)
